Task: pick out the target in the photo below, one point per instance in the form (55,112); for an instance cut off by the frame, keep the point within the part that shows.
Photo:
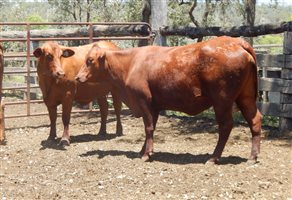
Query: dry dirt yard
(110,167)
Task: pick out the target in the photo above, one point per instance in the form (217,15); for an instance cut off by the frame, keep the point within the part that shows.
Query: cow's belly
(198,105)
(85,93)
(181,102)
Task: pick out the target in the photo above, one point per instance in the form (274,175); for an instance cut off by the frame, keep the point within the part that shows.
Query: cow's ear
(102,56)
(67,53)
(38,52)
(101,60)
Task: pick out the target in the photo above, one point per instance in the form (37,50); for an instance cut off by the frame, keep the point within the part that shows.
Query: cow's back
(189,78)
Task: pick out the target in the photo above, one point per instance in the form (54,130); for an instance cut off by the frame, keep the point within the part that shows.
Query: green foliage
(176,19)
(133,10)
(96,10)
(271,39)
(20,10)
(36,18)
(269,121)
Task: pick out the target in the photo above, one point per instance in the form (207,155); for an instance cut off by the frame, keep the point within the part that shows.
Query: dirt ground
(110,167)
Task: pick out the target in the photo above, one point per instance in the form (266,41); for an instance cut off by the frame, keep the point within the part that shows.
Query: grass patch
(269,121)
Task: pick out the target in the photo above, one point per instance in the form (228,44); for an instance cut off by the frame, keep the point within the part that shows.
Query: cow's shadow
(87,137)
(166,157)
(52,144)
(55,144)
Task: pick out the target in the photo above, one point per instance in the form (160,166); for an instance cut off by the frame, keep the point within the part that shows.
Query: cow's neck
(118,67)
(46,82)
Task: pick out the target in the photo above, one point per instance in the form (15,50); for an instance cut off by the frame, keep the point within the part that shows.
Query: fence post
(159,19)
(2,124)
(286,93)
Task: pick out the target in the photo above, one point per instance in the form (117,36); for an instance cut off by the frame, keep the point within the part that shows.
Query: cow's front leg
(103,107)
(53,117)
(66,114)
(118,107)
(150,121)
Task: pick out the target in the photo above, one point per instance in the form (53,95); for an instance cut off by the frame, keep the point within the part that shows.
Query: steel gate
(29,71)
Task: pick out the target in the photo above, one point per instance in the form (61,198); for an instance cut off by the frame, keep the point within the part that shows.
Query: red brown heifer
(187,78)
(57,68)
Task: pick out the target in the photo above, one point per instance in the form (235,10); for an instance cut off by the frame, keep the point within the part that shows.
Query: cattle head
(94,66)
(49,56)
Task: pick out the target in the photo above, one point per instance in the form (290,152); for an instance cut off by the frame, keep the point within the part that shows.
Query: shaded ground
(110,168)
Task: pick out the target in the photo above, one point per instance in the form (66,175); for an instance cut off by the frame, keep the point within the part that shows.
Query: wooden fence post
(159,19)
(286,94)
(2,125)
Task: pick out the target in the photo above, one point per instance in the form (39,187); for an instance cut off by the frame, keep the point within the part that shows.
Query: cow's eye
(89,61)
(50,56)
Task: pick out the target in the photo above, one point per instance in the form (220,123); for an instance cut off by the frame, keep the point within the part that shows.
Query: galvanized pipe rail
(28,39)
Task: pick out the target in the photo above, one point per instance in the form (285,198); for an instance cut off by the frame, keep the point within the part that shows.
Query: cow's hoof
(64,142)
(147,157)
(119,131)
(119,134)
(212,161)
(52,138)
(102,133)
(3,142)
(252,161)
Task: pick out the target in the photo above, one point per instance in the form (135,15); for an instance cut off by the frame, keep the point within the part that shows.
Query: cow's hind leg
(225,123)
(118,107)
(150,121)
(103,106)
(253,117)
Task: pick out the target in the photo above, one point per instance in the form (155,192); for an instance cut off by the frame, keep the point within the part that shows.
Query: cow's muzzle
(59,74)
(80,79)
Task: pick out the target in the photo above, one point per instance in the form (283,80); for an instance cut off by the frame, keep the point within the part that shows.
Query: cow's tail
(247,47)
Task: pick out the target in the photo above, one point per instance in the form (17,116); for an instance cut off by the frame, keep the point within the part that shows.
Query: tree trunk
(249,16)
(158,20)
(146,13)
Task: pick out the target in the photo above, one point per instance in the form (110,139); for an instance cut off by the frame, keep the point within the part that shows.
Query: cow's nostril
(60,73)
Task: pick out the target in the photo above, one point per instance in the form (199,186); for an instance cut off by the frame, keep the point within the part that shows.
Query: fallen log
(245,31)
(97,30)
